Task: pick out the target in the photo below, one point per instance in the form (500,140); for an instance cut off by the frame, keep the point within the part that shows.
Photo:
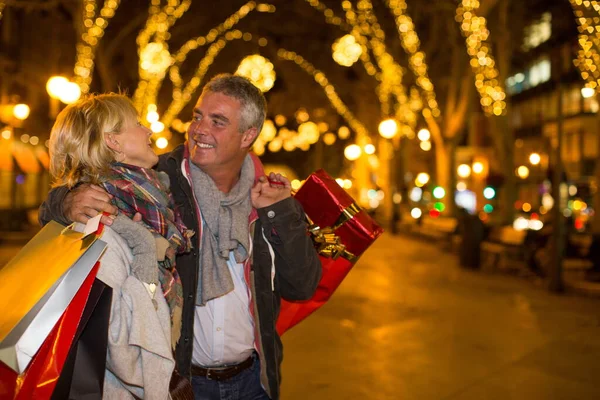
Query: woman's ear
(112,142)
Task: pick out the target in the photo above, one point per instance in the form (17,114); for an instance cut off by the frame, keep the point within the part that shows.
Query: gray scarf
(225,229)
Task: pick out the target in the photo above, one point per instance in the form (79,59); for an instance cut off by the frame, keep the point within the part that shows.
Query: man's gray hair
(254,104)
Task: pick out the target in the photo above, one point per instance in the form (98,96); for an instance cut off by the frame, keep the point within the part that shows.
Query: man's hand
(86,201)
(269,191)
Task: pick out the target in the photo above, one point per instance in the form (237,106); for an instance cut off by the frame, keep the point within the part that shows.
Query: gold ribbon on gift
(329,244)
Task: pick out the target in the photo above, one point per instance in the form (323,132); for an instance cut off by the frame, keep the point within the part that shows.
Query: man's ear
(249,136)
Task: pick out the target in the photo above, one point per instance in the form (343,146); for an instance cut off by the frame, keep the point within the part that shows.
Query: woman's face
(136,146)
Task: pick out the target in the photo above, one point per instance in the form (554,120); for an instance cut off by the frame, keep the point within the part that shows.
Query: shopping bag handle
(93,226)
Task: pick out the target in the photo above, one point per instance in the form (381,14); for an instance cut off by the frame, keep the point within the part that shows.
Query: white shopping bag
(37,286)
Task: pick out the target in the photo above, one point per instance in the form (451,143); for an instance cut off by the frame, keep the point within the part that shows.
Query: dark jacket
(297,266)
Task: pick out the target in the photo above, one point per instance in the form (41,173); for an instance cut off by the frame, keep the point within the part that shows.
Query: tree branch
(457,119)
(124,32)
(31,5)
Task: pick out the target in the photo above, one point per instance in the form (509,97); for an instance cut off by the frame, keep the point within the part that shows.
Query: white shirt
(223,328)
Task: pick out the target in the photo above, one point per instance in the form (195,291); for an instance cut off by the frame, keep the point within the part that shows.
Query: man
(251,246)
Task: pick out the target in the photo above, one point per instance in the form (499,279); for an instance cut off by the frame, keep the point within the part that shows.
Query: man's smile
(205,145)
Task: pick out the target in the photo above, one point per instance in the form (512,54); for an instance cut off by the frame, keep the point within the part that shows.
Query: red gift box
(341,230)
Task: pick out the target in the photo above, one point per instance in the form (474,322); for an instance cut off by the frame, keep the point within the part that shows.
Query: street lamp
(534,158)
(61,88)
(464,171)
(21,111)
(388,128)
(157,127)
(55,85)
(425,145)
(422,179)
(329,138)
(352,152)
(478,167)
(152,117)
(424,135)
(71,93)
(587,92)
(522,172)
(343,132)
(162,142)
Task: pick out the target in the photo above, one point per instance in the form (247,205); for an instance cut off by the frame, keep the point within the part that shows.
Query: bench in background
(503,249)
(440,229)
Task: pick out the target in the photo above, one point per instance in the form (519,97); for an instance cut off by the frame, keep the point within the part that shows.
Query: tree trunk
(503,136)
(450,189)
(103,66)
(442,163)
(596,219)
(504,141)
(510,194)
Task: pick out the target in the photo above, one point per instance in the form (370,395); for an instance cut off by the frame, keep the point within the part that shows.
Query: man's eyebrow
(197,111)
(220,117)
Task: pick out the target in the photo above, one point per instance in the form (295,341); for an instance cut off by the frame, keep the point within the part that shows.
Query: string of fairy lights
(482,62)
(181,95)
(365,42)
(410,43)
(329,89)
(366,34)
(365,25)
(179,102)
(416,61)
(155,58)
(587,15)
(347,26)
(95,21)
(216,47)
(365,31)
(153,49)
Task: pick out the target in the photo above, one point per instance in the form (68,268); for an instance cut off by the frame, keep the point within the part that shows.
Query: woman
(99,140)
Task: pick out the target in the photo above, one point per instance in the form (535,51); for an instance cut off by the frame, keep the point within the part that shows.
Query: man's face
(214,139)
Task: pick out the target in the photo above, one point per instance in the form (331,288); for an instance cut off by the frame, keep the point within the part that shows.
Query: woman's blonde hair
(78,150)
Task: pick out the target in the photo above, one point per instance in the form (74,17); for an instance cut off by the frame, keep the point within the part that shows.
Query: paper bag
(37,285)
(82,376)
(41,376)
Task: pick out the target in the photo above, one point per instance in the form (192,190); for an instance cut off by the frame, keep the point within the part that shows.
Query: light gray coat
(139,358)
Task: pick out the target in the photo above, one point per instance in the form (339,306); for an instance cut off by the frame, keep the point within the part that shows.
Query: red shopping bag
(82,375)
(38,284)
(341,231)
(40,377)
(75,288)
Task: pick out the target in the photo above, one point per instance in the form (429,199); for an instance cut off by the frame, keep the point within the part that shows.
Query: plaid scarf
(137,189)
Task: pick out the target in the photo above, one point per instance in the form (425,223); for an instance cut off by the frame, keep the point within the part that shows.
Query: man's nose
(197,129)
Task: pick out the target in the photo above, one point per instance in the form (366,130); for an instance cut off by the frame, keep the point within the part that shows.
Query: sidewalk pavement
(408,323)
